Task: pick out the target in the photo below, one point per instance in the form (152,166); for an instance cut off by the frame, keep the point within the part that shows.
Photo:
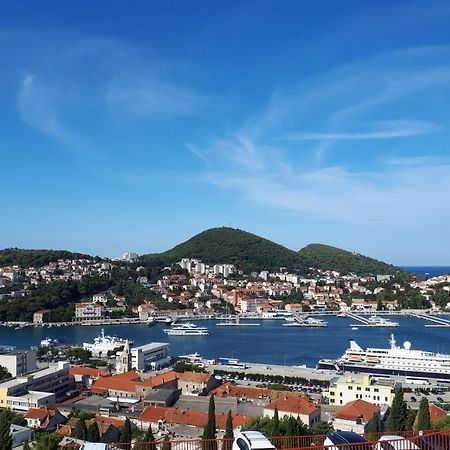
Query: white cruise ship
(102,344)
(186,329)
(393,361)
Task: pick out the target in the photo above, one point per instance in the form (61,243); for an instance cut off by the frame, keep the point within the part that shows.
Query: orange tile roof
(357,409)
(196,377)
(158,380)
(118,423)
(436,413)
(115,383)
(153,413)
(231,390)
(36,413)
(293,403)
(188,417)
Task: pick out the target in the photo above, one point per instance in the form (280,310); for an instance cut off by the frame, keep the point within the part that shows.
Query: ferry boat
(403,361)
(186,329)
(102,344)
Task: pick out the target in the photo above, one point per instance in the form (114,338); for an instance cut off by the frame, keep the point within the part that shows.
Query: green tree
(209,432)
(126,431)
(398,414)
(93,434)
(424,420)
(166,443)
(229,435)
(4,374)
(48,441)
(26,446)
(5,431)
(373,427)
(275,425)
(80,431)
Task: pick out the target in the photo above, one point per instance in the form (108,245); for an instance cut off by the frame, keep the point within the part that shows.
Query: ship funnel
(354,345)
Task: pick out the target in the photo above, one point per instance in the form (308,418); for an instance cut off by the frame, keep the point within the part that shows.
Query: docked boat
(396,360)
(308,322)
(103,344)
(376,321)
(186,329)
(49,342)
(151,321)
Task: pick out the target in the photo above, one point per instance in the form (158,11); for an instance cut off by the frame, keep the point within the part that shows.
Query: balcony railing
(430,440)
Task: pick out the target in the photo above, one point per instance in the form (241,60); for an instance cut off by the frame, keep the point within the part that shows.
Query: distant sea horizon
(428,271)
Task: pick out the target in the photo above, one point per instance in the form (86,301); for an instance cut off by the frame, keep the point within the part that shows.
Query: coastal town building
(18,362)
(86,312)
(36,388)
(356,415)
(348,388)
(38,316)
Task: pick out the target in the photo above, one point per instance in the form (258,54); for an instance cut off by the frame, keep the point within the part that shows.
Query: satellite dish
(407,345)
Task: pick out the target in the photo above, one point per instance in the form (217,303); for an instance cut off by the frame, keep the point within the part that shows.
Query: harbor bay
(270,343)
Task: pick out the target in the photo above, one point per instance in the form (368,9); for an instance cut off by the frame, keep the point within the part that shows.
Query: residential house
(47,418)
(355,416)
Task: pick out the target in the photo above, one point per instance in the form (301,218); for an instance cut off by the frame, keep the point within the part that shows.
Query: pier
(437,322)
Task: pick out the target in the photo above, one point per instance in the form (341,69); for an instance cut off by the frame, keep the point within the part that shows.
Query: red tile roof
(158,380)
(357,409)
(153,413)
(196,377)
(293,403)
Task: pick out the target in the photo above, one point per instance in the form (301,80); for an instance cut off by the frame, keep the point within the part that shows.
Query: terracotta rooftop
(293,403)
(232,390)
(158,380)
(153,413)
(196,377)
(357,409)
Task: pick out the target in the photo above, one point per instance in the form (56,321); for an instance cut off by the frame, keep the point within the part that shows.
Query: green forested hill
(326,257)
(35,258)
(232,246)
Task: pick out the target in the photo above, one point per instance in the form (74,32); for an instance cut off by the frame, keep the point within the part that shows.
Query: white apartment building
(151,356)
(19,362)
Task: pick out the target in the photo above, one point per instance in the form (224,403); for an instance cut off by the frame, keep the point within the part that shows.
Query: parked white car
(395,443)
(252,440)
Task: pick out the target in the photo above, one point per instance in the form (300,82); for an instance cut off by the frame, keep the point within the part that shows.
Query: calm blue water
(429,271)
(268,343)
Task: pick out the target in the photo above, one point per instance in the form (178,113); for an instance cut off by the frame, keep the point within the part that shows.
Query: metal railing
(407,440)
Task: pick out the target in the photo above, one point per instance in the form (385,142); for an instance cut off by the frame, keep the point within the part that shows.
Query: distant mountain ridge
(254,253)
(247,251)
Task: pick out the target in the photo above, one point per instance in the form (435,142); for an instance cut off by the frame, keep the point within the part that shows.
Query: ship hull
(336,365)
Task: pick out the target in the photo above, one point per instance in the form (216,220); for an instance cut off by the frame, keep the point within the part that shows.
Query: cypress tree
(424,420)
(209,432)
(398,415)
(80,430)
(229,435)
(93,434)
(275,424)
(5,431)
(373,427)
(150,439)
(126,431)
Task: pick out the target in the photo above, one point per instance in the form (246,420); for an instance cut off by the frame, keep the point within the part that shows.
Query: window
(350,388)
(358,388)
(242,444)
(376,390)
(367,389)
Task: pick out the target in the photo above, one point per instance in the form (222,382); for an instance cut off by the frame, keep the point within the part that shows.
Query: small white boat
(151,321)
(355,328)
(49,342)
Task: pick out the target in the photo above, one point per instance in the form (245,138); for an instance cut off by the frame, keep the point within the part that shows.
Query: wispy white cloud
(358,136)
(366,97)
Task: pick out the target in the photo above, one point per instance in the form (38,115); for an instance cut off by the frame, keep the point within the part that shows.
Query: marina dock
(437,322)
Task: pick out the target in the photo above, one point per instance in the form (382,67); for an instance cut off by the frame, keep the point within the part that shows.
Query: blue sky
(133,126)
